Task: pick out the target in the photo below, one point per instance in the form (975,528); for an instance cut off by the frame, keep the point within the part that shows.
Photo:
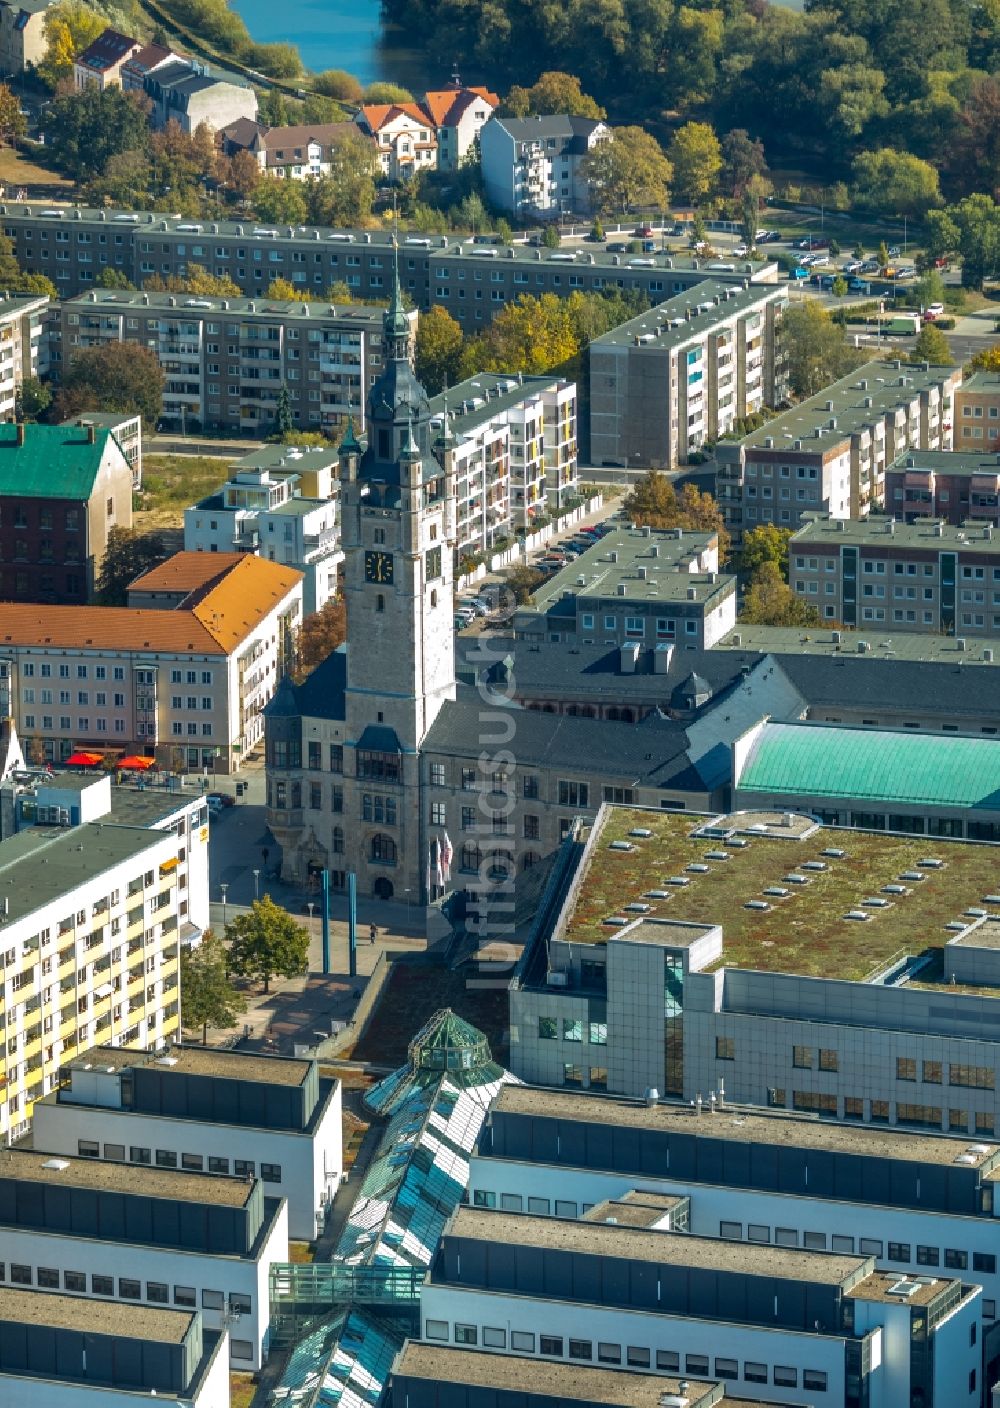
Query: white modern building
(279,503)
(216,1112)
(532,166)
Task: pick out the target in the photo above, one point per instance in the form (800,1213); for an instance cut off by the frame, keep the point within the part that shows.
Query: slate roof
(107,50)
(820,760)
(570,130)
(857,681)
(319,696)
(55,461)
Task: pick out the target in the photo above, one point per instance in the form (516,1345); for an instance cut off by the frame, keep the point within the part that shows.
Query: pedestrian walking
(372,933)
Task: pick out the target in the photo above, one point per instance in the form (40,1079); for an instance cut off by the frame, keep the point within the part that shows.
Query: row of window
(45,671)
(167,1158)
(635,1356)
(573,1030)
(920,1116)
(931,1072)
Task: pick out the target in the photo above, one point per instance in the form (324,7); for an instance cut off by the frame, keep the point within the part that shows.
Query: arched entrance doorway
(382,889)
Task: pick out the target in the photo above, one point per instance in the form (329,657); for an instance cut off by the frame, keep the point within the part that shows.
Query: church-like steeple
(396,324)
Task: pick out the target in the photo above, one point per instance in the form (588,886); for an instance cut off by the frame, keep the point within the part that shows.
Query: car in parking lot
(852,266)
(859,285)
(933,311)
(618,248)
(643,231)
(223,799)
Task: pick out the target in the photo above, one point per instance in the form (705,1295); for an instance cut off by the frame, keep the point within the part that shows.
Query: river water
(343,34)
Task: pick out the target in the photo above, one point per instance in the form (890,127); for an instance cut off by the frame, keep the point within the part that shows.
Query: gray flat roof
(94,1317)
(28,1165)
(885,385)
(662,557)
(878,532)
(948,461)
(181,304)
(291,459)
(130,807)
(565,1382)
(984,934)
(900,645)
(982,381)
(38,864)
(635,1209)
(880,1286)
(687,316)
(494,392)
(297,507)
(200,1061)
(678,1249)
(662,933)
(743,1126)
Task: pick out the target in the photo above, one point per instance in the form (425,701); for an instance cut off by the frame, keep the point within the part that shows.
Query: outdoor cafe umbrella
(84,760)
(136,764)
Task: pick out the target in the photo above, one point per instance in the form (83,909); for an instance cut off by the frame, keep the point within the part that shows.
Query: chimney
(91,435)
(20,432)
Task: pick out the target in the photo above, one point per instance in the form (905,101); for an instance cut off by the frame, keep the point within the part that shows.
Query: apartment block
(91,935)
(459,115)
(216,1112)
(226,359)
(62,490)
(922,1207)
(23,41)
(819,1327)
(515,453)
(63,1352)
(684,372)
(72,245)
(24,348)
(533,166)
(977,413)
(921,576)
(182,673)
(636,588)
(829,453)
(146,1233)
(278,503)
(952,487)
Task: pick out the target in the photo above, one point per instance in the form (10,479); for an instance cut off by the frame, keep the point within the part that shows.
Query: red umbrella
(84,760)
(137,764)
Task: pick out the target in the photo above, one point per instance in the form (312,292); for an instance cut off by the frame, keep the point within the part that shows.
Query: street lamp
(311,905)
(256,885)
(224,889)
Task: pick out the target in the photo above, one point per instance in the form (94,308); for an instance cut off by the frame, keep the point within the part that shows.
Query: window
(522,1340)
(906,1068)
(194,1163)
(637,1357)
(669,1360)
(956,1260)
(88,1148)
(129,1289)
(511,1202)
(48,1278)
(574,794)
(539,1206)
(139,1155)
(550,1344)
(244,1168)
(979,1077)
(984,1261)
(115,1152)
(696,1363)
(727,1369)
(483,1198)
(99,1285)
(581,1349)
(494,1338)
(215,1300)
(270,1173)
(598,1033)
(166,1158)
(813,1378)
(548,1028)
(572,1029)
(725,1048)
(608,1353)
(828,1060)
(753,1372)
(898,1251)
(786,1237)
(869,1246)
(786,1376)
(814,1241)
(731,1231)
(931,1071)
(802,1057)
(240,1349)
(928,1256)
(158,1292)
(840,1243)
(758,1232)
(186,1295)
(437,774)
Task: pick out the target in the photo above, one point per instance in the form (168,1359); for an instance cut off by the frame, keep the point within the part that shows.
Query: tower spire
(397,325)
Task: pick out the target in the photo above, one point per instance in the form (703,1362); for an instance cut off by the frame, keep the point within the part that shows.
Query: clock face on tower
(378,567)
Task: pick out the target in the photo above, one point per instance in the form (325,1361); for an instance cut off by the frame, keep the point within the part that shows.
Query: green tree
(284,421)
(882,254)
(13,123)
(930,288)
(696,157)
(346,194)
(438,348)
(129,553)
(115,376)
(335,83)
(971,229)
(932,347)
(896,182)
(770,601)
(114,278)
(742,161)
(265,942)
(626,169)
(272,108)
(550,237)
(32,399)
(839,286)
(387,93)
(523,581)
(85,129)
(280,201)
(208,998)
(554,92)
(767,543)
(70,27)
(851,97)
(125,181)
(816,349)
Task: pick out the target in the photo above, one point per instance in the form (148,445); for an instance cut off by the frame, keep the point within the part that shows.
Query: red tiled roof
(447,105)
(378,114)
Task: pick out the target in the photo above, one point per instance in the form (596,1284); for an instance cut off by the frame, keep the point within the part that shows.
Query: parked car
(894,251)
(852,266)
(644,231)
(859,285)
(223,799)
(618,248)
(933,311)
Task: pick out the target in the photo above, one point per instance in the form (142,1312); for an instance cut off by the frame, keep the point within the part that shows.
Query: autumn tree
(530,335)
(765,544)
(654,502)
(198,280)
(438,348)
(627,169)
(555,92)
(70,27)
(124,181)
(13,123)
(696,156)
(284,288)
(116,376)
(129,553)
(280,201)
(319,636)
(932,347)
(523,581)
(182,160)
(266,941)
(770,601)
(986,360)
(239,173)
(208,998)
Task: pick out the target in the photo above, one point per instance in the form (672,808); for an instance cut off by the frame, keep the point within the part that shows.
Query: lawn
(18,169)
(171,483)
(805,932)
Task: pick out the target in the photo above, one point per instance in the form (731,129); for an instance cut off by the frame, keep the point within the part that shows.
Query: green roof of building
(812,760)
(55,461)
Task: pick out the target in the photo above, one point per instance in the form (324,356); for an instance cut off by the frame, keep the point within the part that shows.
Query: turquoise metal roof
(918,769)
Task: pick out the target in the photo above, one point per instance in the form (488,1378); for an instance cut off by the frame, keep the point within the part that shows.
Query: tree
(272,108)
(770,601)
(346,193)
(114,278)
(988,360)
(850,97)
(929,289)
(555,92)
(284,288)
(335,83)
(742,160)
(206,285)
(839,286)
(895,182)
(128,554)
(13,123)
(654,502)
(208,998)
(340,292)
(550,237)
(932,347)
(10,272)
(320,635)
(625,169)
(85,129)
(523,581)
(816,349)
(70,27)
(531,335)
(767,543)
(438,348)
(125,181)
(265,942)
(697,160)
(279,201)
(970,229)
(284,421)
(117,376)
(32,400)
(240,174)
(387,93)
